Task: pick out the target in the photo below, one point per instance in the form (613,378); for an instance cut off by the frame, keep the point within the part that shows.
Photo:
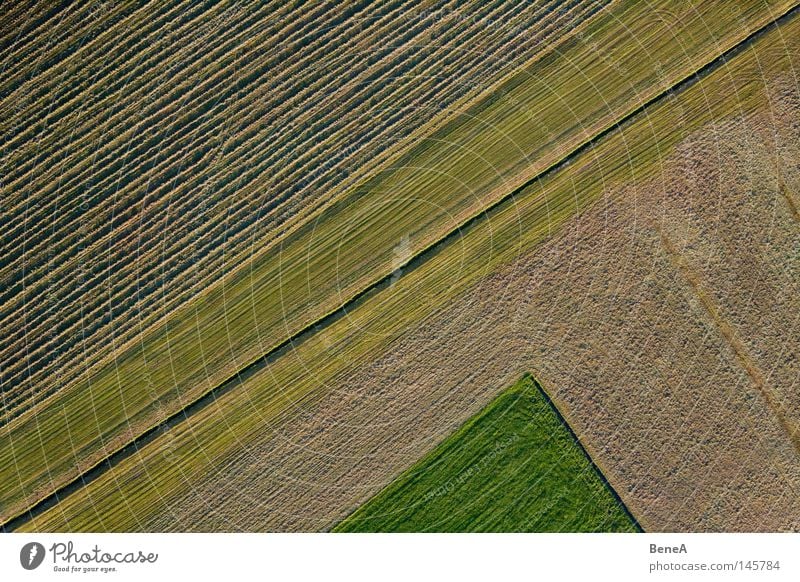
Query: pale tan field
(664,321)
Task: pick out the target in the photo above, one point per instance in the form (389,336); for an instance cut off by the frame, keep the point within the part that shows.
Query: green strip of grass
(513,467)
(144,485)
(527,125)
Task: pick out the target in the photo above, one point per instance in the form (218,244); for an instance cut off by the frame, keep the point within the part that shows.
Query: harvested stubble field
(639,316)
(148,151)
(616,61)
(514,467)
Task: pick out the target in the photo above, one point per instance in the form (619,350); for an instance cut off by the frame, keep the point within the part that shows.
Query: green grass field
(514,467)
(535,118)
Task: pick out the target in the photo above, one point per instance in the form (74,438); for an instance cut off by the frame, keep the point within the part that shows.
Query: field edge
(526,381)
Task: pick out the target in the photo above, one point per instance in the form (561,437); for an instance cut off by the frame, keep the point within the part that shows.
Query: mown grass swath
(526,125)
(514,467)
(189,137)
(241,416)
(182,176)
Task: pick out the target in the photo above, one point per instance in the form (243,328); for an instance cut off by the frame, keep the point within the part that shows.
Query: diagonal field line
(413,263)
(789,198)
(598,471)
(725,329)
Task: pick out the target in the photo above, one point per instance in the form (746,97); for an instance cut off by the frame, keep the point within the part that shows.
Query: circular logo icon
(31,555)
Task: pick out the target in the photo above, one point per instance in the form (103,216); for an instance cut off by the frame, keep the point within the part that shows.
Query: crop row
(244,426)
(527,124)
(158,172)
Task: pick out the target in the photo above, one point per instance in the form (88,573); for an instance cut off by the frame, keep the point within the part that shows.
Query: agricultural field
(614,207)
(514,467)
(364,235)
(149,152)
(615,307)
(145,186)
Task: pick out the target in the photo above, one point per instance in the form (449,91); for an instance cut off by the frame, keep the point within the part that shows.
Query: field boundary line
(600,474)
(416,261)
(772,400)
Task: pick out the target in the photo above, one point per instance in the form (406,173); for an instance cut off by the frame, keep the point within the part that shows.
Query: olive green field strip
(137,490)
(516,466)
(148,151)
(438,185)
